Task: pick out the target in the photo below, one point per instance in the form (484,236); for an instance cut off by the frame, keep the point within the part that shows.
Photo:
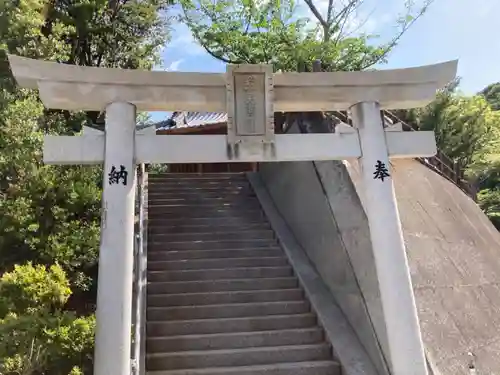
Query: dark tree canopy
(50,215)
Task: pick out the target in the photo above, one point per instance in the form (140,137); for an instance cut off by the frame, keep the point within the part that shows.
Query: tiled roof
(194,119)
(191,119)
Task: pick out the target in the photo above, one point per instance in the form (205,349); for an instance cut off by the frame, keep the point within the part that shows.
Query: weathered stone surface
(64,86)
(453,251)
(454,255)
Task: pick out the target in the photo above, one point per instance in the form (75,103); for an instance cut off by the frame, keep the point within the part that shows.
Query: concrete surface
(346,345)
(64,86)
(341,255)
(453,250)
(404,338)
(454,255)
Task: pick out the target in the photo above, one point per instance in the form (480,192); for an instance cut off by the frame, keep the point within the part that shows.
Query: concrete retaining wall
(300,198)
(454,256)
(453,252)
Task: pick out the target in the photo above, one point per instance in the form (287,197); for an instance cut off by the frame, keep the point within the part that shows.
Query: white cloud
(174,66)
(183,40)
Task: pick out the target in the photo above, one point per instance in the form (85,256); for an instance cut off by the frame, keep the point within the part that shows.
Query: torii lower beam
(172,149)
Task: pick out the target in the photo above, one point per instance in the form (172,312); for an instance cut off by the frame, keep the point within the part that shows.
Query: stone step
(290,368)
(232,310)
(246,324)
(207,205)
(214,254)
(201,264)
(154,212)
(222,189)
(202,199)
(237,220)
(238,357)
(225,285)
(199,182)
(220,274)
(211,245)
(206,191)
(200,299)
(221,296)
(197,176)
(234,340)
(214,236)
(189,228)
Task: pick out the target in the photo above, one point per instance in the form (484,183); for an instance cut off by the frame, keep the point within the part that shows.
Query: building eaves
(191,119)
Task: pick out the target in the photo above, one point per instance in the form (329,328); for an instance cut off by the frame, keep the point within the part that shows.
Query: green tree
(50,214)
(36,335)
(30,288)
(277,32)
(47,213)
(117,33)
(492,95)
(466,127)
(248,31)
(489,178)
(468,131)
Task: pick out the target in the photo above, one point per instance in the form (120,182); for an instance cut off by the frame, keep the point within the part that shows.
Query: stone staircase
(222,296)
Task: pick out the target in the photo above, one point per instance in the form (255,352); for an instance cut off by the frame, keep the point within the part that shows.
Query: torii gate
(250,94)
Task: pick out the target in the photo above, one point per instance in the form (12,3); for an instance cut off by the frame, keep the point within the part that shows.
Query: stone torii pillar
(250,95)
(116,253)
(396,291)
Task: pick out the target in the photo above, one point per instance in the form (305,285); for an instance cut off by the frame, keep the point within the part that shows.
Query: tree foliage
(492,95)
(29,287)
(274,31)
(113,33)
(47,213)
(36,335)
(50,215)
(116,33)
(488,179)
(467,128)
(46,343)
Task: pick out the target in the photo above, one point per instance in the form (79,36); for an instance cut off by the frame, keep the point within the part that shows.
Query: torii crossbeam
(250,94)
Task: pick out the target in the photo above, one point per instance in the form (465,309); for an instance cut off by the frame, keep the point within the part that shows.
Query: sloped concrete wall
(454,256)
(453,251)
(298,195)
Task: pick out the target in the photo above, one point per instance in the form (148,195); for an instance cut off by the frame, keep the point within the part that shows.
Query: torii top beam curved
(71,87)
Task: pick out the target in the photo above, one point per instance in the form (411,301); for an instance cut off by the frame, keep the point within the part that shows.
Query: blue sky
(451,29)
